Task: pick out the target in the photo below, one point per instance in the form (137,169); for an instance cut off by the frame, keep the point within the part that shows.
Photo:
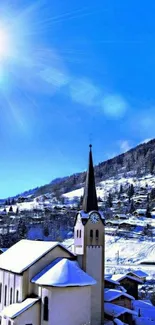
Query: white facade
(68,302)
(68,306)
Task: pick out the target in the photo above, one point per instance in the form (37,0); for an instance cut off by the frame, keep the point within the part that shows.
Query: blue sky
(70,71)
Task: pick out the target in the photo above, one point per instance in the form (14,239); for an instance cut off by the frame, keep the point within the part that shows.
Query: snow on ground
(124,254)
(129,250)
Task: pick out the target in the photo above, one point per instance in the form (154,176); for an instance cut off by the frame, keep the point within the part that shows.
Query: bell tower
(89,243)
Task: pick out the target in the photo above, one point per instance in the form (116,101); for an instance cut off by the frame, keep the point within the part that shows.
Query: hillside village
(114,286)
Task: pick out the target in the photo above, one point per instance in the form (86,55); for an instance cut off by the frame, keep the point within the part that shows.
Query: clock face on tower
(94,217)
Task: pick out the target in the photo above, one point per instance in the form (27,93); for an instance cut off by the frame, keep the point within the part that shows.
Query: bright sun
(4,44)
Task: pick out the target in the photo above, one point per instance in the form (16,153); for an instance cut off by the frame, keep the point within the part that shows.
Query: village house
(130,283)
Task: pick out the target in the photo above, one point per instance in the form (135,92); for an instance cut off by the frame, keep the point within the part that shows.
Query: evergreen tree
(132,208)
(131,191)
(152,194)
(13,201)
(148,198)
(11,209)
(109,201)
(121,189)
(46,231)
(152,165)
(22,229)
(148,213)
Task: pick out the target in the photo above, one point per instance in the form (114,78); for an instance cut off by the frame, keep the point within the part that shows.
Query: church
(44,283)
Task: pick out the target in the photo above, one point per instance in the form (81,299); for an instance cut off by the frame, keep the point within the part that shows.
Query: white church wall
(68,306)
(79,238)
(94,268)
(10,281)
(30,316)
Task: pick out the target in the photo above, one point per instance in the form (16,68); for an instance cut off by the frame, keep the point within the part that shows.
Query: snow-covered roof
(146,309)
(14,310)
(111,294)
(143,211)
(139,273)
(142,304)
(144,321)
(111,280)
(25,253)
(119,277)
(116,311)
(63,273)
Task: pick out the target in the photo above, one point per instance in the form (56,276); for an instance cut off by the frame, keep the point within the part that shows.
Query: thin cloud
(124,145)
(114,106)
(84,92)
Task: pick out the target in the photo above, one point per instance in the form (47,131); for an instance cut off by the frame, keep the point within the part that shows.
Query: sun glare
(4,43)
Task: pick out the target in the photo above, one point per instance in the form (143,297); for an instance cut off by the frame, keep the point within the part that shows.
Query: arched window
(80,234)
(45,313)
(77,233)
(17,296)
(5,295)
(97,234)
(91,234)
(9,322)
(10,296)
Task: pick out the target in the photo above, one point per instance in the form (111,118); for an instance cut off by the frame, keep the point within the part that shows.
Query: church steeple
(90,197)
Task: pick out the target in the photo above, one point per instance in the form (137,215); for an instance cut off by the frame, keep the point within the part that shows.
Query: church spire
(90,197)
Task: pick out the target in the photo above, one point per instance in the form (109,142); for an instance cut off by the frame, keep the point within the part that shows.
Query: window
(9,322)
(0,292)
(17,296)
(91,234)
(80,234)
(77,234)
(97,234)
(5,295)
(0,320)
(45,316)
(10,296)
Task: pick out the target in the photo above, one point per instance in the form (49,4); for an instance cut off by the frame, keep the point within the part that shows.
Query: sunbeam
(29,61)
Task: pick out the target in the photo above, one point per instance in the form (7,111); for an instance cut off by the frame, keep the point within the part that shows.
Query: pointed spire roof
(90,197)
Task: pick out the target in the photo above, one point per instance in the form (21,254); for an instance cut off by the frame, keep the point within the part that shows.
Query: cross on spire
(90,197)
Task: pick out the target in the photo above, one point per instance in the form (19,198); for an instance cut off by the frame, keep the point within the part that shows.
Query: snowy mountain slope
(109,185)
(137,162)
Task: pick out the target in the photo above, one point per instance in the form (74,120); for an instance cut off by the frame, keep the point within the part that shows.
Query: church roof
(90,197)
(63,273)
(25,253)
(14,310)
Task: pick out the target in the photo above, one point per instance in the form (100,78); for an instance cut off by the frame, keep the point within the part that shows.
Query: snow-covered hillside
(114,183)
